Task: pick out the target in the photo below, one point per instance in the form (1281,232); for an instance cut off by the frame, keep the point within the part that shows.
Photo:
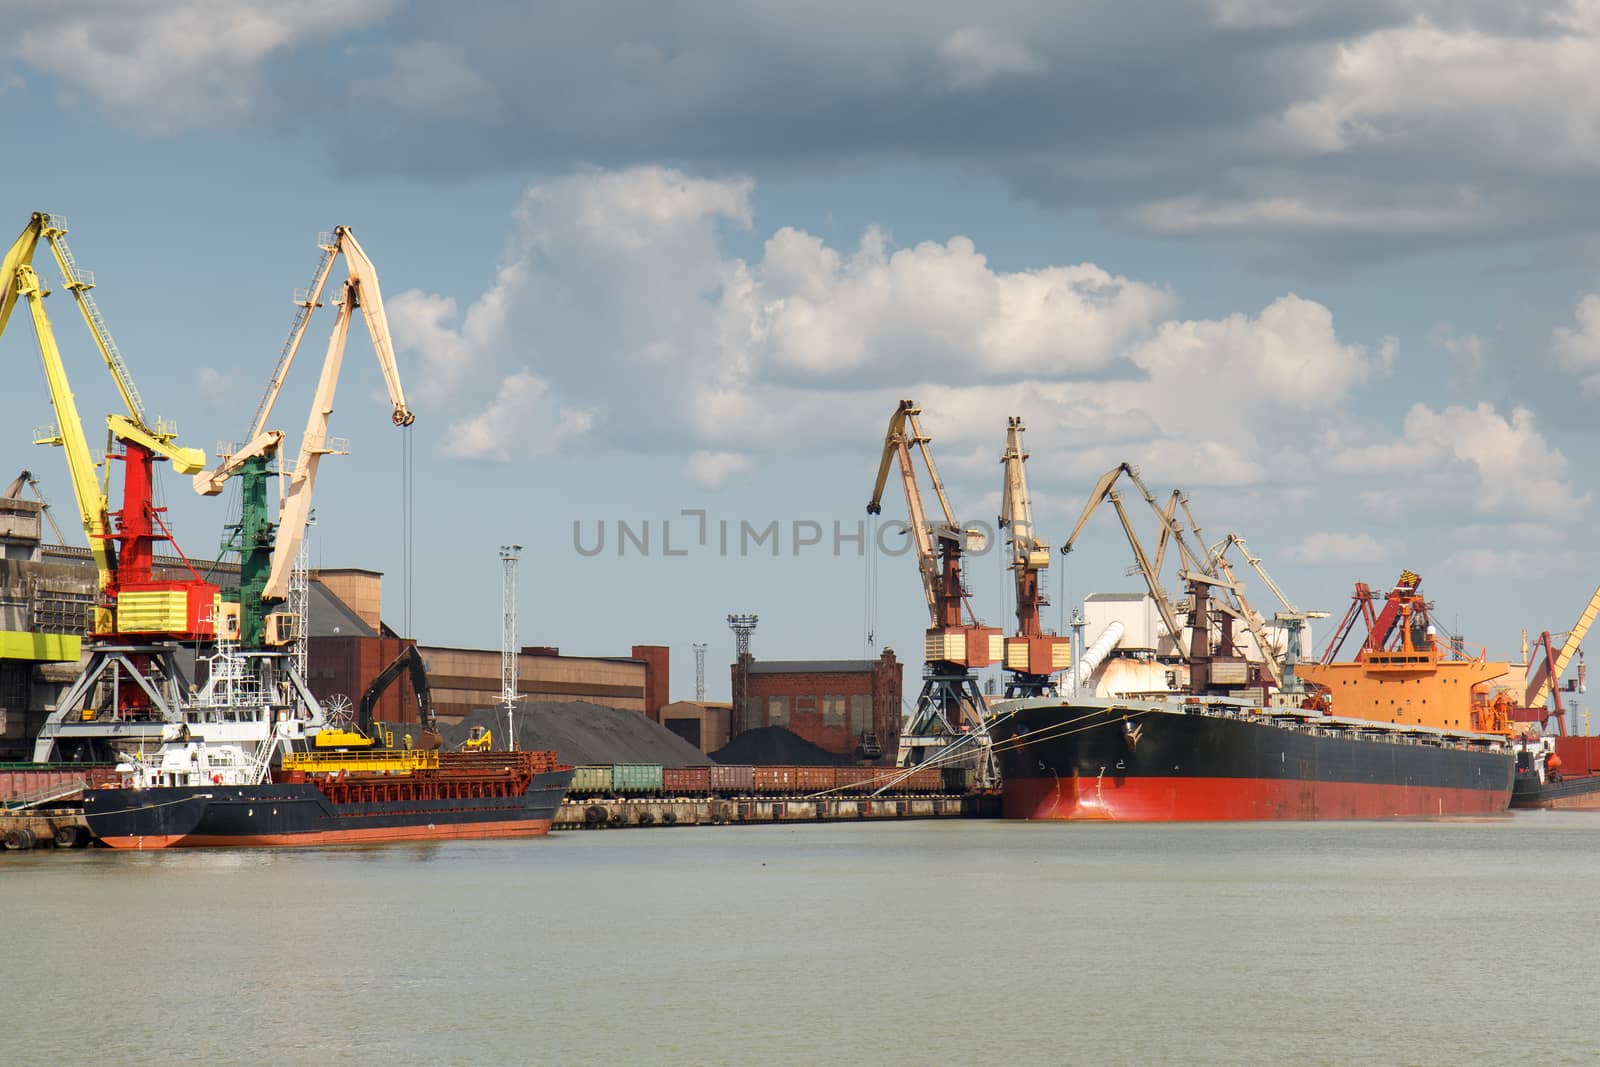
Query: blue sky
(1331,268)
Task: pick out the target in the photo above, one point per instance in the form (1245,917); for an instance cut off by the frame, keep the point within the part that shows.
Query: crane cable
(869,610)
(407,505)
(958,751)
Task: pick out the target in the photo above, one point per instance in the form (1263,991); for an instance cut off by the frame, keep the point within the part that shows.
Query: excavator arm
(409,661)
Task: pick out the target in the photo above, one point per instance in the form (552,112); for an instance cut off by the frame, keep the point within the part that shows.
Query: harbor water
(946,941)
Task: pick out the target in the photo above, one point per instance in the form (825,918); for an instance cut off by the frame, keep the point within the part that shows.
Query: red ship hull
(1223,799)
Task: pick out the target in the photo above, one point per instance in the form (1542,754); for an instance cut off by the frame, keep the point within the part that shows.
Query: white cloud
(520,421)
(618,290)
(1578,350)
(1517,474)
(168,64)
(1492,91)
(713,468)
(1337,548)
(452,355)
(938,307)
(1289,354)
(977,55)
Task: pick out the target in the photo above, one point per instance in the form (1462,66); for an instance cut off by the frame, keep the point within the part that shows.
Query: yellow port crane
(149,610)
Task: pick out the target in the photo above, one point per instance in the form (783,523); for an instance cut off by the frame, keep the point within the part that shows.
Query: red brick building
(837,704)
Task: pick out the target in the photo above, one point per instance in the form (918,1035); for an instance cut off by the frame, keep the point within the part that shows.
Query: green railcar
(636,778)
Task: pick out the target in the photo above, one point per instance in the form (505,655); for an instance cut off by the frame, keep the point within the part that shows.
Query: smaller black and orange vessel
(354,795)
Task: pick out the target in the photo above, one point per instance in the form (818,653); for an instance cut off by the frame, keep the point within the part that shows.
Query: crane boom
(86,486)
(158,438)
(312,300)
(897,446)
(360,291)
(364,284)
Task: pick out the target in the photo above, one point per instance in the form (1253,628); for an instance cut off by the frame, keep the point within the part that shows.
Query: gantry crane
(1032,657)
(267,550)
(955,642)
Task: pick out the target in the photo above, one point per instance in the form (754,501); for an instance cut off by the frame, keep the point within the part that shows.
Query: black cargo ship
(1213,759)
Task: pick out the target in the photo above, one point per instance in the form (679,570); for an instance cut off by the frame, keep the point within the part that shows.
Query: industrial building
(850,707)
(702,723)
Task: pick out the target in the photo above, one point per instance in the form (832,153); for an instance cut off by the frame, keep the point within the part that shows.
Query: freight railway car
(641,780)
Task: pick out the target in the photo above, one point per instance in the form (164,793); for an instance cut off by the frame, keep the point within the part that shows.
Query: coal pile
(773,746)
(583,733)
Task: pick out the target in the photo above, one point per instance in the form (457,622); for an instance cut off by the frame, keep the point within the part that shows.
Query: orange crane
(955,643)
(1381,625)
(1032,656)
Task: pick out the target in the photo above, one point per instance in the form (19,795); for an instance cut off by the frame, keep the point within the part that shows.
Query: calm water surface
(920,942)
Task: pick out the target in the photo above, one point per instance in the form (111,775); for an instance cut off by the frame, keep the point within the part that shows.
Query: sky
(1332,269)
